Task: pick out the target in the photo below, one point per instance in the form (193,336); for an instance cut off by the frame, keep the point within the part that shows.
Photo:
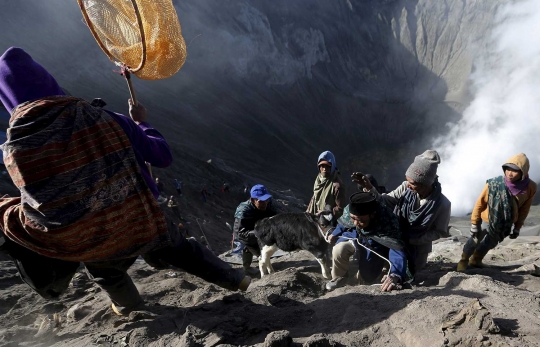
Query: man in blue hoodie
(370,223)
(328,190)
(86,192)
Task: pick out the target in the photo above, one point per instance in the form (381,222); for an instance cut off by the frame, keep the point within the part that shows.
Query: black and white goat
(292,232)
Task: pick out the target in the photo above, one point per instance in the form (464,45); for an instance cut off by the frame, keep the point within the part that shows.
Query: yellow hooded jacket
(522,202)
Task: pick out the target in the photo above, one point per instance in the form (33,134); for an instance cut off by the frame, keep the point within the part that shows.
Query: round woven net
(145,35)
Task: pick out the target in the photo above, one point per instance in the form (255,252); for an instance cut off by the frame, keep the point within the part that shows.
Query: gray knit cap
(424,168)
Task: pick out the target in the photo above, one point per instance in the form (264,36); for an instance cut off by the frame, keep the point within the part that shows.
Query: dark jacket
(247,215)
(383,234)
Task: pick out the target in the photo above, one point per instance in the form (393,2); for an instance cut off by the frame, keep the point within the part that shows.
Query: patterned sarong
(83,197)
(500,208)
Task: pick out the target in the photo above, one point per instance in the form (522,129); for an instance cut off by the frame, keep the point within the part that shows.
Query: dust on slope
(186,311)
(183,310)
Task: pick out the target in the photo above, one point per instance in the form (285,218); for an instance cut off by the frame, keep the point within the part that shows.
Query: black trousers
(417,256)
(51,277)
(251,249)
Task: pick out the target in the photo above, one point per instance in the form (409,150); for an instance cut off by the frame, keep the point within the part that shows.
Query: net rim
(102,46)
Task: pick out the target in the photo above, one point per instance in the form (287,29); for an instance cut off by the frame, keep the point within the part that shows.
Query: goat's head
(325,217)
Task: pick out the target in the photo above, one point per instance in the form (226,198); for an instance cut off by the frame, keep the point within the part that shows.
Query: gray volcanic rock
(187,311)
(280,338)
(268,85)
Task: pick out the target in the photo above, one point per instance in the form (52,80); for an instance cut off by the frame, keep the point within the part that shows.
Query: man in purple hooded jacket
(22,81)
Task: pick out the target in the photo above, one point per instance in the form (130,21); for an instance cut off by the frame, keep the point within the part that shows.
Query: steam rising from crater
(504,117)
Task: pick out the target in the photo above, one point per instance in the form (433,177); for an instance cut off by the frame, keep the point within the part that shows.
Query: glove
(514,234)
(475,229)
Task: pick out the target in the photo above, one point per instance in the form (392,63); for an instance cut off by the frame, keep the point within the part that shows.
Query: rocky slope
(495,306)
(267,86)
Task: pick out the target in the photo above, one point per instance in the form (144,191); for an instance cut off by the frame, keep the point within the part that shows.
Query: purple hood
(22,79)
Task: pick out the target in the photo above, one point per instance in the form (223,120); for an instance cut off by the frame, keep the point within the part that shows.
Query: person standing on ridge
(160,186)
(173,205)
(96,203)
(328,189)
(504,201)
(204,194)
(178,186)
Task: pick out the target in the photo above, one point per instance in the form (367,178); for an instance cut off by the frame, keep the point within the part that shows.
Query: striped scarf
(416,220)
(83,197)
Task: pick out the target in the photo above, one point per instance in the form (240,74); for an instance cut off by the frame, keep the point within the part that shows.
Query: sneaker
(336,283)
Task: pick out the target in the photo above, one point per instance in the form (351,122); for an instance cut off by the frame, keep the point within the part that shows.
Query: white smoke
(504,117)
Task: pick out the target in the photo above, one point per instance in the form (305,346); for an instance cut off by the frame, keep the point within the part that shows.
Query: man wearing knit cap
(376,227)
(422,209)
(328,189)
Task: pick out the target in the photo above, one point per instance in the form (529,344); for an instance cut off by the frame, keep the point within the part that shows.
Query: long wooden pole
(127,76)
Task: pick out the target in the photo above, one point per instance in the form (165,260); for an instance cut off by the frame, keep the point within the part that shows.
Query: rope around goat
(325,235)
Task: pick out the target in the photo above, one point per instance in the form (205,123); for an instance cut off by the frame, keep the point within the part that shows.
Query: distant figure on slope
(204,194)
(173,205)
(178,186)
(160,186)
(422,209)
(328,189)
(505,200)
(95,203)
(375,226)
(225,188)
(259,206)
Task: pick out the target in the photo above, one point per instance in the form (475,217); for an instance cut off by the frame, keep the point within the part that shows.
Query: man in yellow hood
(505,201)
